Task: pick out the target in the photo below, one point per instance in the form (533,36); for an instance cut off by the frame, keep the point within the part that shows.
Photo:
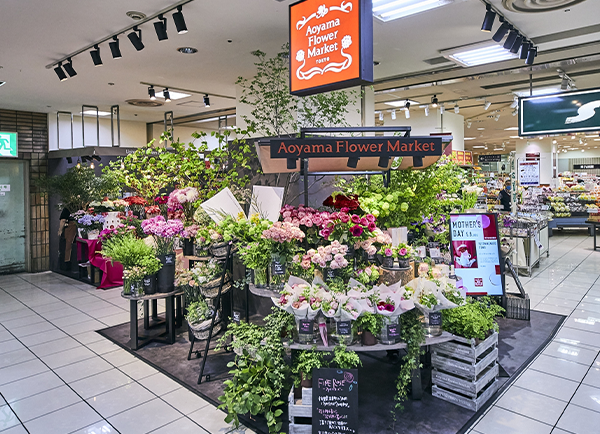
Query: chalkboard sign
(237,317)
(393,331)
(335,401)
(344,328)
(277,268)
(435,318)
(306,327)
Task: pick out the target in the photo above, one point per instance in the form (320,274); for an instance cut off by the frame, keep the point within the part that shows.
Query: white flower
(346,41)
(300,55)
(322,11)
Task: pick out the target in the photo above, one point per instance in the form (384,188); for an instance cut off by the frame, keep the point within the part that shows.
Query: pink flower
(355,219)
(388,252)
(345,209)
(389,307)
(356,230)
(370,218)
(372,227)
(345,218)
(402,251)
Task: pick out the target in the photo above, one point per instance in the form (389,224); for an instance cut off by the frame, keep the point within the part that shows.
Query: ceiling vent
(530,6)
(144,103)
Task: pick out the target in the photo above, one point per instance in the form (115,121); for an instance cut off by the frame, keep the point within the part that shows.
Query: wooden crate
(467,349)
(469,370)
(300,408)
(471,403)
(469,387)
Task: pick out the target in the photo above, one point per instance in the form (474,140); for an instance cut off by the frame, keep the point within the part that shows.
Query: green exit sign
(8,144)
(561,113)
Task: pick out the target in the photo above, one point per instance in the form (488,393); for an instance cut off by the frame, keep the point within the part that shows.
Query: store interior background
(409,65)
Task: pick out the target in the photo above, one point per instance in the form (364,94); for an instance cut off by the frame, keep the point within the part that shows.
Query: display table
(171,321)
(568,222)
(593,227)
(112,273)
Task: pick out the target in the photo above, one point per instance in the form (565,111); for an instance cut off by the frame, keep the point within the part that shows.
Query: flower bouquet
(164,233)
(189,234)
(281,238)
(256,256)
(186,199)
(368,275)
(136,204)
(430,300)
(90,225)
(329,258)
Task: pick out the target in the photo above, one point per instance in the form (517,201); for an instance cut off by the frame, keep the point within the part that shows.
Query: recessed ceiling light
(469,138)
(402,103)
(172,95)
(187,50)
(478,54)
(2,83)
(481,129)
(479,147)
(135,15)
(388,10)
(93,113)
(515,137)
(511,129)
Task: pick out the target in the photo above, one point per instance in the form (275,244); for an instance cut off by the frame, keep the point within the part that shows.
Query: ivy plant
(305,362)
(344,359)
(370,322)
(473,320)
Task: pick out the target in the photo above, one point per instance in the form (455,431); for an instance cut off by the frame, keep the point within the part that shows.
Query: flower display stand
(389,276)
(299,411)
(465,372)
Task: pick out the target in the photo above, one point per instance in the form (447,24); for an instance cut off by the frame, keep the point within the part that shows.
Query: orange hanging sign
(331,45)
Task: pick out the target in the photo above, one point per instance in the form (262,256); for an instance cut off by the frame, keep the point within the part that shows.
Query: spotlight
(59,71)
(381,116)
(69,68)
(96,157)
(517,44)
(426,110)
(114,48)
(505,27)
(524,50)
(167,95)
(434,101)
(151,93)
(352,162)
(564,84)
(95,53)
(510,39)
(488,21)
(161,28)
(469,123)
(456,108)
(79,163)
(384,161)
(515,102)
(179,21)
(291,163)
(515,112)
(92,165)
(486,104)
(393,114)
(531,55)
(206,101)
(136,38)
(497,117)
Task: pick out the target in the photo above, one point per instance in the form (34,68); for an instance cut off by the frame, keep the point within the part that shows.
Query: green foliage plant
(344,359)
(79,186)
(473,320)
(198,311)
(370,322)
(131,252)
(305,362)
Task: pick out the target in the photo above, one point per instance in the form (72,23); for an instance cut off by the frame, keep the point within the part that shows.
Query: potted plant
(370,324)
(256,256)
(90,225)
(388,253)
(344,359)
(189,236)
(151,265)
(199,317)
(164,233)
(476,319)
(303,365)
(404,253)
(281,237)
(207,274)
(138,259)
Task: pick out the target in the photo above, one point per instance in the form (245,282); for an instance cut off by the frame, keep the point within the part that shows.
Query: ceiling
(38,32)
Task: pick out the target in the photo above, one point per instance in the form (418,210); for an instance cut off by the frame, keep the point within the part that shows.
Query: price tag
(594,210)
(237,317)
(305,327)
(278,268)
(536,238)
(344,328)
(435,253)
(422,251)
(435,319)
(393,331)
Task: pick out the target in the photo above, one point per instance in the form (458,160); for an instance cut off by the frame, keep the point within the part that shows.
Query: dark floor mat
(519,342)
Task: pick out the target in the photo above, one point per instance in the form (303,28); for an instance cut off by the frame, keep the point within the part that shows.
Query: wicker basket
(211,289)
(202,329)
(220,250)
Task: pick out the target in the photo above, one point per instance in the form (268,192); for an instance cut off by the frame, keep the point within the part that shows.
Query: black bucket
(165,278)
(149,283)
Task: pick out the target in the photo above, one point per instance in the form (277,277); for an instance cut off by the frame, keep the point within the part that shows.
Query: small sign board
(529,173)
(335,401)
(496,158)
(8,145)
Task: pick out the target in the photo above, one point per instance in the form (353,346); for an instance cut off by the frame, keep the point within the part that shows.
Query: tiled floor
(560,391)
(58,376)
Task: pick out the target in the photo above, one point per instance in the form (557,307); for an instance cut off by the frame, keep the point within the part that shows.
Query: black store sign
(335,401)
(585,166)
(490,158)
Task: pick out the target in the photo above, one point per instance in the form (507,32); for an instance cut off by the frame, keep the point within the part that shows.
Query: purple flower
(355,219)
(356,230)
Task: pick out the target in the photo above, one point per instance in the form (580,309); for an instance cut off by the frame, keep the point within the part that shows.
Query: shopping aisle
(57,375)
(560,391)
